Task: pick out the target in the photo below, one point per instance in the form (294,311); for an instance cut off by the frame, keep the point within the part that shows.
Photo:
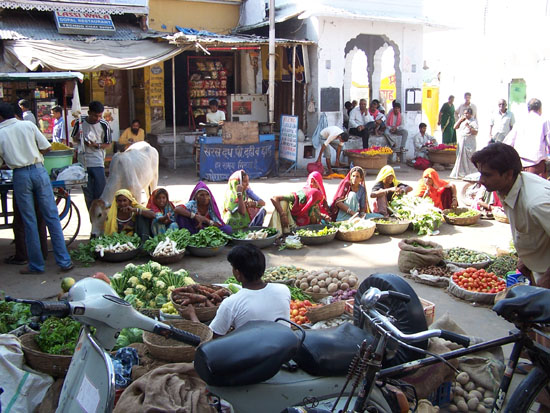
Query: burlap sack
(411,256)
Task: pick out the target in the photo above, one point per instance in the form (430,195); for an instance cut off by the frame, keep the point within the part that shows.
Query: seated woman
(315,181)
(127,215)
(297,209)
(242,207)
(351,197)
(442,193)
(201,211)
(485,201)
(165,217)
(385,188)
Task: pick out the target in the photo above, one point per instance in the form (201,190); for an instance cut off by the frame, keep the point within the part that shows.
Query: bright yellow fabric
(384,173)
(127,134)
(111,223)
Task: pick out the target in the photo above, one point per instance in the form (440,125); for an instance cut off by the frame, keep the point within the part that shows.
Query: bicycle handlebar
(455,338)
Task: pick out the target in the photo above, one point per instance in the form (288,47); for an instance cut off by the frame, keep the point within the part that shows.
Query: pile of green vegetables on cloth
(117,242)
(172,242)
(295,292)
(465,256)
(58,336)
(424,216)
(209,237)
(355,224)
(282,273)
(13,315)
(503,265)
(328,230)
(148,285)
(255,234)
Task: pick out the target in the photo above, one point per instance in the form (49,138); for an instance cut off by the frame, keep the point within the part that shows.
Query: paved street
(379,254)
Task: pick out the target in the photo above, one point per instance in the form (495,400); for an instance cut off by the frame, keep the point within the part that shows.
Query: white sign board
(288,139)
(74,22)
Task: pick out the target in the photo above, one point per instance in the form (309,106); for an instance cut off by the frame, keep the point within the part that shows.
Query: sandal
(12,260)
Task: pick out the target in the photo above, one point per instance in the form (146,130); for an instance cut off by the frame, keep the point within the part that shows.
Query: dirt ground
(379,254)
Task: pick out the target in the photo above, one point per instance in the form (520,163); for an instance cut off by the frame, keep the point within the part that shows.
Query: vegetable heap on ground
(424,216)
(282,273)
(117,242)
(326,281)
(373,151)
(342,295)
(465,214)
(328,230)
(479,281)
(200,295)
(13,315)
(58,336)
(295,292)
(172,242)
(148,285)
(355,224)
(465,256)
(440,271)
(298,310)
(209,237)
(503,265)
(258,234)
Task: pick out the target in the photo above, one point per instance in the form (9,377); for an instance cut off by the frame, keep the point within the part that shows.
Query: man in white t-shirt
(215,115)
(335,137)
(256,301)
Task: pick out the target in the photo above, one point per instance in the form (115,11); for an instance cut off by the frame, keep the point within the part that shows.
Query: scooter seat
(525,304)
(329,352)
(251,354)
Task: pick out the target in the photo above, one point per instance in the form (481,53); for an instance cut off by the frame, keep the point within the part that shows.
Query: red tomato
(307,303)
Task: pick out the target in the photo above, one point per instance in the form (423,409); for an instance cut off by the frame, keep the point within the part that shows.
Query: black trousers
(364,133)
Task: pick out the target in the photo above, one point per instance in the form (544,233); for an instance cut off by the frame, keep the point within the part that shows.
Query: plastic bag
(74,172)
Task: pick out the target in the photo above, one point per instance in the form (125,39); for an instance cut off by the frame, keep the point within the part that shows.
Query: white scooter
(89,385)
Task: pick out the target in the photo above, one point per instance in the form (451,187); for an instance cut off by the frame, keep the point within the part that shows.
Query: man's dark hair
(213,102)
(451,97)
(136,121)
(25,103)
(96,106)
(467,94)
(396,104)
(469,110)
(534,105)
(6,111)
(500,157)
(422,125)
(57,109)
(347,105)
(344,136)
(17,111)
(375,102)
(249,260)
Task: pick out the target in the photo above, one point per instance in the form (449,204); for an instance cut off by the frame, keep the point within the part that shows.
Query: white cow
(135,169)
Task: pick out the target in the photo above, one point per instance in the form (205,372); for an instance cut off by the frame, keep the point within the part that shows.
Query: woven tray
(460,221)
(356,236)
(368,161)
(172,350)
(445,157)
(51,364)
(318,296)
(203,313)
(325,312)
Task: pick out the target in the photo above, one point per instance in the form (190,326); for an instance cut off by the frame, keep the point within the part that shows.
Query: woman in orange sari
(442,193)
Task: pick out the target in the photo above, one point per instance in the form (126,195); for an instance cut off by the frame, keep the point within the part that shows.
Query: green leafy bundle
(85,253)
(128,336)
(180,236)
(58,336)
(242,234)
(13,315)
(424,216)
(209,237)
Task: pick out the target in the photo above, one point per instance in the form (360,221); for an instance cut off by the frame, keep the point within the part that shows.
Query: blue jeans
(30,183)
(96,184)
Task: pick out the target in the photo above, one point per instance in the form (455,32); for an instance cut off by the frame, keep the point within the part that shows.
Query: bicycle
(69,214)
(525,306)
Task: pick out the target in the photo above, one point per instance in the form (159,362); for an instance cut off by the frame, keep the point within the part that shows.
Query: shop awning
(33,76)
(83,6)
(87,57)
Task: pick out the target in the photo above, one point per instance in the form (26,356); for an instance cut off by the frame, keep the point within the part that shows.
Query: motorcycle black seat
(251,354)
(329,352)
(525,304)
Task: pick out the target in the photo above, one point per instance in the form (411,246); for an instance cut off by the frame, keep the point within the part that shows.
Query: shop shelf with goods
(209,78)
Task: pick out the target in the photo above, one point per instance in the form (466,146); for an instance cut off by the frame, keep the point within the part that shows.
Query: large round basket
(444,157)
(260,243)
(458,220)
(153,313)
(368,161)
(326,312)
(172,350)
(203,313)
(318,296)
(500,216)
(395,228)
(316,240)
(118,256)
(171,259)
(478,265)
(51,364)
(205,251)
(480,298)
(356,236)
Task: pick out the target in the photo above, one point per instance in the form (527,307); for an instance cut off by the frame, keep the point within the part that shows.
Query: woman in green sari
(242,207)
(447,121)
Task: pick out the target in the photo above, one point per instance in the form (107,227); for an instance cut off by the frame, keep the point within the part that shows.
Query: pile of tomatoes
(298,310)
(479,281)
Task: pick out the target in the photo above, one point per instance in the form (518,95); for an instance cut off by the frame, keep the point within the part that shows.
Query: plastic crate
(429,310)
(442,396)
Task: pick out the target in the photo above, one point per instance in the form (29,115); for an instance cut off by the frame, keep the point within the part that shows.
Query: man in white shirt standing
(361,123)
(501,123)
(335,137)
(25,106)
(215,116)
(395,126)
(256,301)
(21,148)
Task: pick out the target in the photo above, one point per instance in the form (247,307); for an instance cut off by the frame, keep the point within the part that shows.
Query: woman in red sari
(442,193)
(315,181)
(297,209)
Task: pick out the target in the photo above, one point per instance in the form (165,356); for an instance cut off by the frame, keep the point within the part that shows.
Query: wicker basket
(172,350)
(444,157)
(203,313)
(500,216)
(318,296)
(356,236)
(325,312)
(460,221)
(368,161)
(51,364)
(153,313)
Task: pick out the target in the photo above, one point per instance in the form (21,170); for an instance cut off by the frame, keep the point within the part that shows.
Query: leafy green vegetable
(85,253)
(465,214)
(58,336)
(231,280)
(424,216)
(321,233)
(128,336)
(297,294)
(181,236)
(13,315)
(241,234)
(209,237)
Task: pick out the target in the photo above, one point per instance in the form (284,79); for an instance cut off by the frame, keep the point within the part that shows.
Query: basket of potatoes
(322,283)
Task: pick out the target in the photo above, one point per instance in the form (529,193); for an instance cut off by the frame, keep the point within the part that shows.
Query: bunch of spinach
(13,315)
(58,336)
(209,237)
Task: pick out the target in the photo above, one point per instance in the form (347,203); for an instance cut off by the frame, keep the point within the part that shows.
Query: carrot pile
(200,295)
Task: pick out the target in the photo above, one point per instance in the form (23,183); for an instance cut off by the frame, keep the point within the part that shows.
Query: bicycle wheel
(532,394)
(69,218)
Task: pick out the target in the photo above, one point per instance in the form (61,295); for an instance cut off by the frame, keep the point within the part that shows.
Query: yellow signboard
(154,97)
(388,92)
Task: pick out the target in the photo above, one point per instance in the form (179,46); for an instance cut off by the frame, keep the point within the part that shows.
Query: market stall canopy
(33,76)
(83,6)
